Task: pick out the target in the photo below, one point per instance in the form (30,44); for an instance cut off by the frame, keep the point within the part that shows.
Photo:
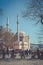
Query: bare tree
(40,34)
(8,38)
(34,10)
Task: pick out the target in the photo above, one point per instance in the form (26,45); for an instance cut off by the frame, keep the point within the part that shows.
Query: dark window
(21,38)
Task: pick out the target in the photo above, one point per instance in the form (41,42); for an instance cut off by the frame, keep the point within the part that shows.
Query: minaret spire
(17,24)
(7,24)
(18,27)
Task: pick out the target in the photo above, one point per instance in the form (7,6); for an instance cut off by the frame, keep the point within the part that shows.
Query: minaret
(17,28)
(7,24)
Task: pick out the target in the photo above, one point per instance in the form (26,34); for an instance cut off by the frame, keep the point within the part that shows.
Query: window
(21,38)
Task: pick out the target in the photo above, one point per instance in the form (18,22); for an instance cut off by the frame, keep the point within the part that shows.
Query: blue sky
(10,9)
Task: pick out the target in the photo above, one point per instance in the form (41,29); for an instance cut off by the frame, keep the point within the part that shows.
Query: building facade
(23,43)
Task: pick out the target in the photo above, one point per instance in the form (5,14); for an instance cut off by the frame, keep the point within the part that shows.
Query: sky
(12,8)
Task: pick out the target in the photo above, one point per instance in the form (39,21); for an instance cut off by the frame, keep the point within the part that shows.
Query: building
(22,41)
(18,41)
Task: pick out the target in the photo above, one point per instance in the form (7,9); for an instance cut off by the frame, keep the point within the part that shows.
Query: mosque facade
(18,41)
(23,43)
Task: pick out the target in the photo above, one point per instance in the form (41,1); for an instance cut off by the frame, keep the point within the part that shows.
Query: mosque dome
(21,33)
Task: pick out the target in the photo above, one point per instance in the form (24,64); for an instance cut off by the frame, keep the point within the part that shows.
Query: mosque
(22,41)
(17,41)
